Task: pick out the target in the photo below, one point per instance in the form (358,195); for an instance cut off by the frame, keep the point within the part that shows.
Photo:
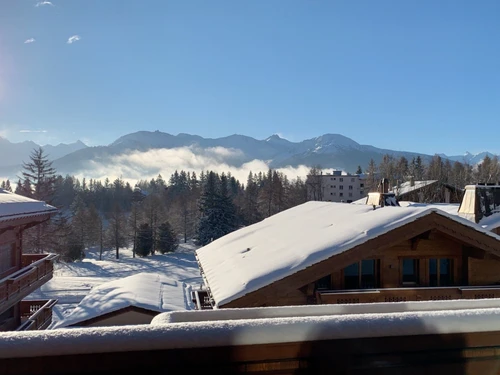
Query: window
(350,194)
(324,283)
(361,192)
(350,187)
(341,187)
(341,179)
(341,194)
(334,193)
(7,257)
(332,179)
(352,179)
(351,276)
(440,272)
(331,193)
(364,274)
(361,185)
(410,271)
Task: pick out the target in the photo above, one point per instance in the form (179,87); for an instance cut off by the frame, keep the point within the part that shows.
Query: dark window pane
(410,271)
(324,283)
(368,274)
(445,272)
(433,276)
(351,276)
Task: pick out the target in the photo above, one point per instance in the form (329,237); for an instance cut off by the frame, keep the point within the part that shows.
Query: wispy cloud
(30,40)
(73,39)
(32,131)
(43,3)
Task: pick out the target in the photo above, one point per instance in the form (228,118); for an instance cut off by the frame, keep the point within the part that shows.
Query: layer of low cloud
(44,3)
(32,131)
(30,40)
(138,165)
(73,39)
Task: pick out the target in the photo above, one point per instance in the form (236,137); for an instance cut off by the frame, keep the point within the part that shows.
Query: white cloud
(32,131)
(43,3)
(30,40)
(72,39)
(146,165)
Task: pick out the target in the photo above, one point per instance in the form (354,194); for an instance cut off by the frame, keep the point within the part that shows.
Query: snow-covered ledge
(246,332)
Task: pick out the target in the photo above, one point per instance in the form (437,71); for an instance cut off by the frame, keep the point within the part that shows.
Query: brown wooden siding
(484,271)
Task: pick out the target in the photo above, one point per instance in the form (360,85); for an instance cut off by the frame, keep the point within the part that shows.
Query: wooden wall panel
(484,271)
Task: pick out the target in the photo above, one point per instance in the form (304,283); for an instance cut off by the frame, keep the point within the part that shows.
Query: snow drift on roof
(245,332)
(145,290)
(13,206)
(281,245)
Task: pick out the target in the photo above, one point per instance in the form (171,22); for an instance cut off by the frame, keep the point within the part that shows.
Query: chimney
(412,181)
(480,201)
(384,186)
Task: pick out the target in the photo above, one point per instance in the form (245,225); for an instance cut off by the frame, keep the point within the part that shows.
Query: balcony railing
(37,270)
(406,294)
(36,314)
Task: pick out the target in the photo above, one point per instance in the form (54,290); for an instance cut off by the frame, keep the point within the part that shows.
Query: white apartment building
(337,186)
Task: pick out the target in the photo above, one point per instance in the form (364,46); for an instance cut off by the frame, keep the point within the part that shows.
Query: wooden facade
(20,275)
(431,258)
(460,354)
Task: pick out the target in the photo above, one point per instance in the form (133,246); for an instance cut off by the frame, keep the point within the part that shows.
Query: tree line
(151,216)
(456,174)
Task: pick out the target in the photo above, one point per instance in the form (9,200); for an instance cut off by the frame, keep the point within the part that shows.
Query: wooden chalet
(21,274)
(332,253)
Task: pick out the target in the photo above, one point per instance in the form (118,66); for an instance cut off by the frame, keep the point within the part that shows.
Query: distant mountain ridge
(13,154)
(469,158)
(328,151)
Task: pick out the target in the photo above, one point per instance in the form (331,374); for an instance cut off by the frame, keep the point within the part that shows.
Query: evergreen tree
(217,210)
(79,220)
(40,175)
(167,240)
(144,245)
(359,170)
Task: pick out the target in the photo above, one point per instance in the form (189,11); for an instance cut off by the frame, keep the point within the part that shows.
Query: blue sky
(418,75)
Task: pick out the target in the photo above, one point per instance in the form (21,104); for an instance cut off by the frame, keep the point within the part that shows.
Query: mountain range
(328,151)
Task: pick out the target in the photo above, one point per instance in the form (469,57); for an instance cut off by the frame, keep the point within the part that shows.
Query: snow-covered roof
(14,206)
(271,330)
(450,208)
(281,245)
(490,222)
(148,291)
(407,187)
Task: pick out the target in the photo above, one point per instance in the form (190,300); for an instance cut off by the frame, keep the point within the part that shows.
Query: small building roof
(255,256)
(15,206)
(407,187)
(148,291)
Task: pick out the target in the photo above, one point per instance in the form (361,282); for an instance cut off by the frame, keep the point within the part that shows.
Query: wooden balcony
(406,294)
(36,314)
(37,270)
